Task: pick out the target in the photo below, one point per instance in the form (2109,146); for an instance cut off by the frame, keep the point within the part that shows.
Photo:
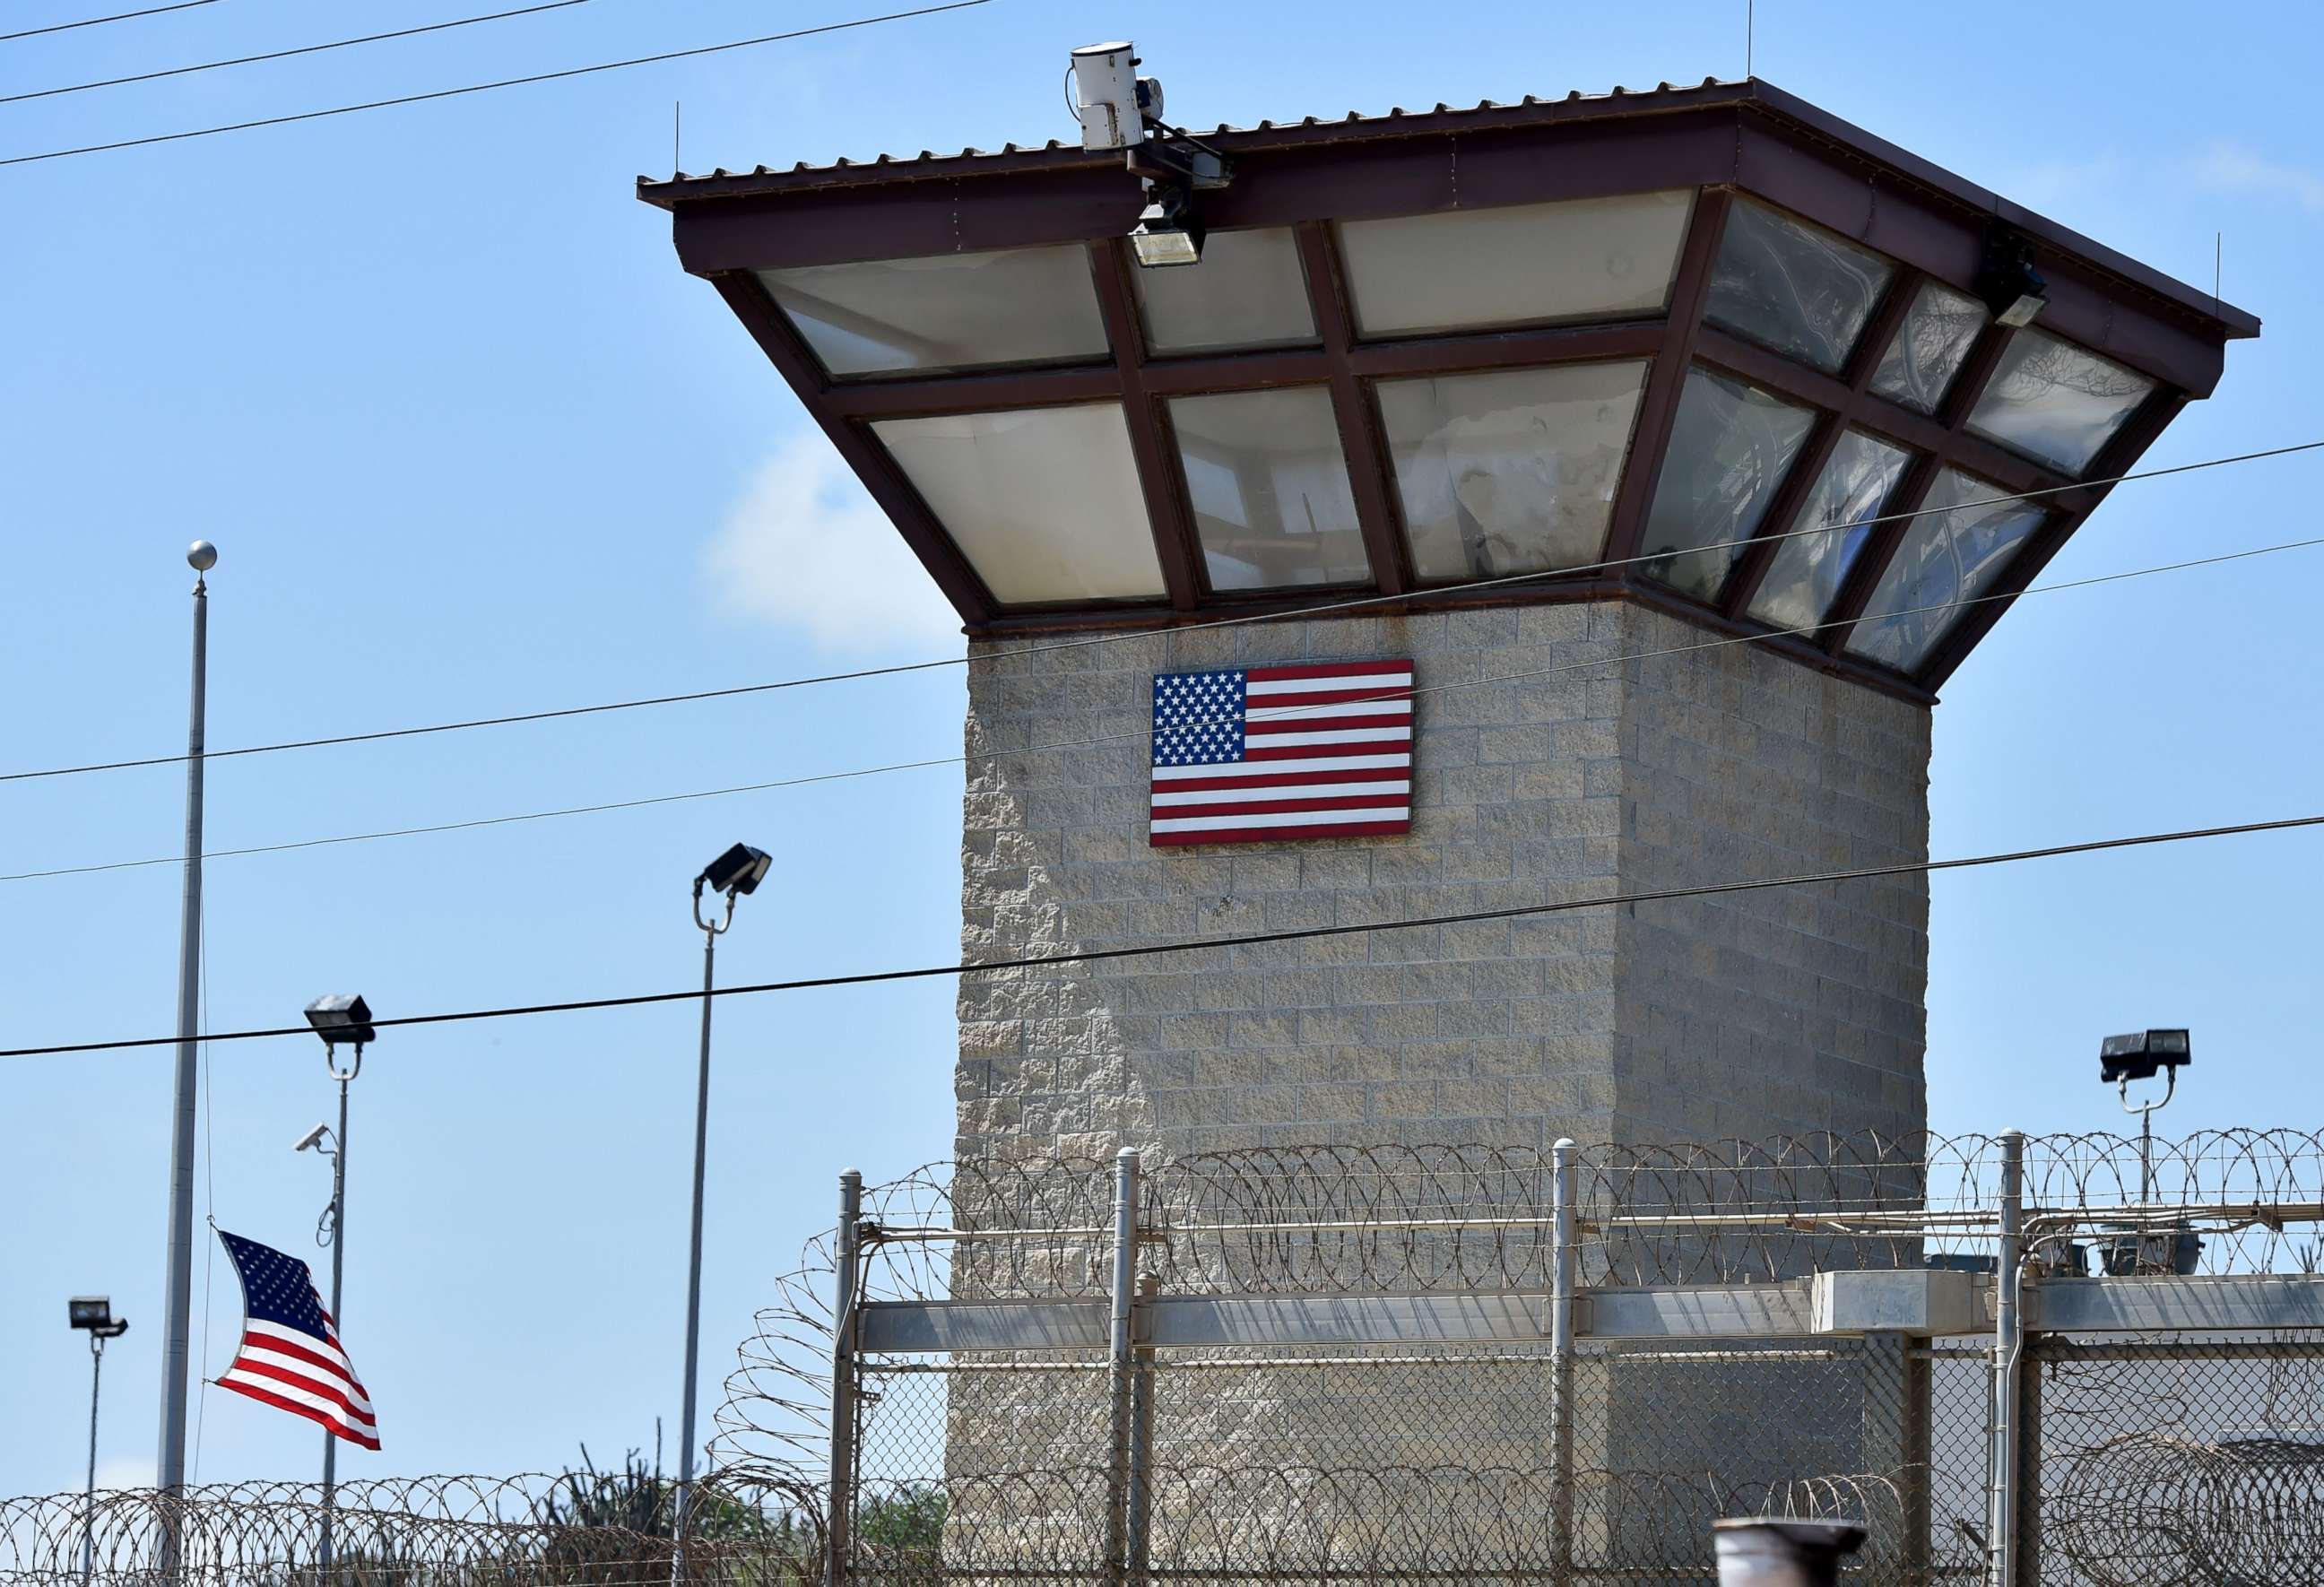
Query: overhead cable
(93,22)
(1296,613)
(1211,943)
(517,82)
(1284,713)
(176,71)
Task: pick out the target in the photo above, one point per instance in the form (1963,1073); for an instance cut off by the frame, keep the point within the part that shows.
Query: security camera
(313,1138)
(1114,104)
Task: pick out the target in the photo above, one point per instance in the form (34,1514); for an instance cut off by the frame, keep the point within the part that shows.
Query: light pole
(177,1286)
(2138,1056)
(344,1018)
(94,1314)
(736,873)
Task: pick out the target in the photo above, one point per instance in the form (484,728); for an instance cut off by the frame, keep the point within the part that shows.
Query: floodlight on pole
(736,873)
(93,1314)
(344,1018)
(2141,1056)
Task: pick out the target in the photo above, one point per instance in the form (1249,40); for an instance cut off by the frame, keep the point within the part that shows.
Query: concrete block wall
(1563,773)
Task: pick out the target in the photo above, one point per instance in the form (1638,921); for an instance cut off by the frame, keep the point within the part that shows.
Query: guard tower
(1663,431)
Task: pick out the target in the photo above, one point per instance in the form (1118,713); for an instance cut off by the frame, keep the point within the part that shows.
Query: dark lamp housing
(90,1310)
(738,871)
(343,1018)
(1169,230)
(2142,1054)
(2011,287)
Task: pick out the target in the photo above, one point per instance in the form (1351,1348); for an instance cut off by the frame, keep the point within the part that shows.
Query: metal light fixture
(1170,229)
(344,1018)
(2011,287)
(95,1313)
(2142,1054)
(2146,1248)
(737,873)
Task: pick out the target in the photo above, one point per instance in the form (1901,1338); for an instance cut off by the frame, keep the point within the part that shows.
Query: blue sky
(470,441)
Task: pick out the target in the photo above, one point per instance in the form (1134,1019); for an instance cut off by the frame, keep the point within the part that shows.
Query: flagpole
(177,1325)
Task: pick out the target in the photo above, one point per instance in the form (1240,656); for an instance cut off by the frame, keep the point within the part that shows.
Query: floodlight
(2011,287)
(737,873)
(90,1310)
(1169,231)
(2142,1054)
(345,1017)
(313,1138)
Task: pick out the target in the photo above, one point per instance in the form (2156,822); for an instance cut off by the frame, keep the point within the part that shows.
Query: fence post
(843,1380)
(1898,1385)
(1561,1362)
(1141,1439)
(2028,1470)
(2008,1349)
(1123,1360)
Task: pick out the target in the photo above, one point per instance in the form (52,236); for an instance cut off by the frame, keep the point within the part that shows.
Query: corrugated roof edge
(1750,94)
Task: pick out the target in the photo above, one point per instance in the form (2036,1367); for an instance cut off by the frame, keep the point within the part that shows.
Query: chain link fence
(2085,1361)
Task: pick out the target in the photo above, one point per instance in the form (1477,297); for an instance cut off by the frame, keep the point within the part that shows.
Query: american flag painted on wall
(290,1357)
(1250,754)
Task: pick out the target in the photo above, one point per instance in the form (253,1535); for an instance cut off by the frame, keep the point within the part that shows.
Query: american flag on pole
(290,1357)
(1250,754)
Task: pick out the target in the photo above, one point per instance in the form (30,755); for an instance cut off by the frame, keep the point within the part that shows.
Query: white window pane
(946,311)
(1269,489)
(1461,268)
(1919,366)
(2053,401)
(1953,553)
(1248,291)
(1730,446)
(1809,568)
(1798,288)
(1509,473)
(1044,503)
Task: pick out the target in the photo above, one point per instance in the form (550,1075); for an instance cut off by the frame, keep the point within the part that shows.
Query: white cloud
(805,546)
(2231,168)
(124,1471)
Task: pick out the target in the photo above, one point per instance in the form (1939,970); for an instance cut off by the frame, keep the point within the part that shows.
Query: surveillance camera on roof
(1115,105)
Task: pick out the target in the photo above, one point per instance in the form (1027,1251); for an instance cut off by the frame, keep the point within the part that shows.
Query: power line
(543,76)
(174,71)
(1209,943)
(66,27)
(1294,613)
(1284,713)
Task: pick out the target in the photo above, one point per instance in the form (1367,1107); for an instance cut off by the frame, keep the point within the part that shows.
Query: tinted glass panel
(948,312)
(1269,489)
(1509,473)
(1919,366)
(2055,401)
(1800,290)
(1947,556)
(1587,258)
(1045,503)
(1809,568)
(1728,450)
(1248,291)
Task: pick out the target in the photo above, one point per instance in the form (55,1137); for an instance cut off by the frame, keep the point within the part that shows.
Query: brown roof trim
(1752,96)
